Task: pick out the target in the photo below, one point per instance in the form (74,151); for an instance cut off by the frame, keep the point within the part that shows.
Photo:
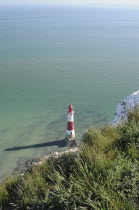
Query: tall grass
(103,175)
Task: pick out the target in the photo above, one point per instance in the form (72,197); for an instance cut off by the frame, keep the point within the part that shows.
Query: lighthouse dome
(70,108)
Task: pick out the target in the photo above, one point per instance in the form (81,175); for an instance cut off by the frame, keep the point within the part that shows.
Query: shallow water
(50,58)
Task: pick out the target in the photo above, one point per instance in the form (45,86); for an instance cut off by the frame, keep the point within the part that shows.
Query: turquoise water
(50,58)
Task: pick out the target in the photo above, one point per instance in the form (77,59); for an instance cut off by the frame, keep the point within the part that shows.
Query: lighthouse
(70,133)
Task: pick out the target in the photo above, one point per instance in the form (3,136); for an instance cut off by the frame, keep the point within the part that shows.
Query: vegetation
(103,175)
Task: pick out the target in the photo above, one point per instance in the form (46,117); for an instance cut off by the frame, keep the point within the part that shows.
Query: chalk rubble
(56,155)
(124,106)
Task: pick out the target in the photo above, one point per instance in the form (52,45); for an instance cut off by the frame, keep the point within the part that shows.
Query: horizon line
(50,5)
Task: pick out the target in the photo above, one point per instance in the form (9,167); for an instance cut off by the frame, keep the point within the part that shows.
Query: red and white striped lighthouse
(70,133)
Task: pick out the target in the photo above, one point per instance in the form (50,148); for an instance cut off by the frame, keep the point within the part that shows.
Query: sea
(53,57)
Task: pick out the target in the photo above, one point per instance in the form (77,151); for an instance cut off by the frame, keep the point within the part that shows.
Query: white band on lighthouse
(70,117)
(70,132)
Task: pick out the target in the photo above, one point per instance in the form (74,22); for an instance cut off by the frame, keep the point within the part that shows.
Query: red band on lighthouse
(70,126)
(70,123)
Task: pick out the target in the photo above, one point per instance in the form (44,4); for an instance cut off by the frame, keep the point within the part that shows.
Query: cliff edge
(125,105)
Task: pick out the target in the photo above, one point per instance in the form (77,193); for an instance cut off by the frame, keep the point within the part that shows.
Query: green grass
(103,175)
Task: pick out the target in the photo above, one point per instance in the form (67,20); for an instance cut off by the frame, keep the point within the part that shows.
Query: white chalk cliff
(124,105)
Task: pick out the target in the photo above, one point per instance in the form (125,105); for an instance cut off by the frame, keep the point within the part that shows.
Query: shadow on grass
(59,143)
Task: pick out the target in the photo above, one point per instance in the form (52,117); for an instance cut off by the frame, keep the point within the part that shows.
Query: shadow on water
(59,143)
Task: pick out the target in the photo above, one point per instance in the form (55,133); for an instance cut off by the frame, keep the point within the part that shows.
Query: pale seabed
(50,58)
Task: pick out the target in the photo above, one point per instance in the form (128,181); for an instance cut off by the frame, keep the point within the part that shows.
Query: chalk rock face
(124,105)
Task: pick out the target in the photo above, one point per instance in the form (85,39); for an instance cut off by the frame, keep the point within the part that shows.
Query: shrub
(133,114)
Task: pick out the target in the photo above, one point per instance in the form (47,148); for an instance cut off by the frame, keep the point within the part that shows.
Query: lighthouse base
(71,142)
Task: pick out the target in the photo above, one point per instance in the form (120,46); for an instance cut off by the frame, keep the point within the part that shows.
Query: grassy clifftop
(104,174)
